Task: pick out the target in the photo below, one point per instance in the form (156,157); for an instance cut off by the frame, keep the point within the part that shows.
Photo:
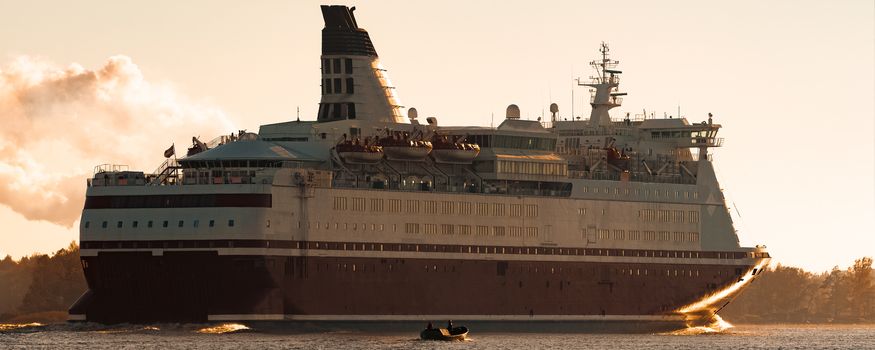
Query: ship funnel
(354,84)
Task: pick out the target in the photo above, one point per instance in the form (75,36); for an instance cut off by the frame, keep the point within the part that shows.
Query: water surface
(241,336)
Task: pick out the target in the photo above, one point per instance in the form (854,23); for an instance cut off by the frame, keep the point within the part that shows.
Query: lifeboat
(404,146)
(356,151)
(453,150)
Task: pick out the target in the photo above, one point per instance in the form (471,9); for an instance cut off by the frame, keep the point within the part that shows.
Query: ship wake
(701,315)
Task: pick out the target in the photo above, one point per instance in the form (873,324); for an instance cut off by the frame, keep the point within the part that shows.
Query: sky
(792,82)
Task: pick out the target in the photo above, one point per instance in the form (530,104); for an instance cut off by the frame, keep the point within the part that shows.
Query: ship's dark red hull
(197,286)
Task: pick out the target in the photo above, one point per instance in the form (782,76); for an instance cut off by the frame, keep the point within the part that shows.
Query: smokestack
(354,84)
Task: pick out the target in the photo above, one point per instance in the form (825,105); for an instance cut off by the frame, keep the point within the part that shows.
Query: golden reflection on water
(13,326)
(717,326)
(223,328)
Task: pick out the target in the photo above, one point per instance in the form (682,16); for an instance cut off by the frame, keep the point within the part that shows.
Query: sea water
(242,336)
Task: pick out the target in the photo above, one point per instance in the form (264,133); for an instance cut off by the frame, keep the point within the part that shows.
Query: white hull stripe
(418,318)
(434,255)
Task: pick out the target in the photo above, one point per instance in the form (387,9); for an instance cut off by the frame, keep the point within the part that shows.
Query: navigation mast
(604,93)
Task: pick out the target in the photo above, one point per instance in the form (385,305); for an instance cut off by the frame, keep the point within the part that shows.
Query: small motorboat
(455,333)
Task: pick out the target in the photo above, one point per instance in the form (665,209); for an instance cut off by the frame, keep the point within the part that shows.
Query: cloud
(58,123)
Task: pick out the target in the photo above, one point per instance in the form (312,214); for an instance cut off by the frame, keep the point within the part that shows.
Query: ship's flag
(170,152)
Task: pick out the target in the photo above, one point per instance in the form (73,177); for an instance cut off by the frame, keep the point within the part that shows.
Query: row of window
(691,216)
(445,229)
(335,86)
(333,66)
(415,206)
(639,192)
(406,247)
(336,111)
(532,168)
(634,235)
(678,216)
(364,268)
(517,142)
(164,224)
(467,230)
(668,272)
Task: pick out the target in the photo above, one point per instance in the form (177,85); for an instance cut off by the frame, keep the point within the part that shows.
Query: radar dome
(412,114)
(513,112)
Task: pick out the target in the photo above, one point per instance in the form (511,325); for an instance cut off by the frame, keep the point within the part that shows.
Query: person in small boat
(429,327)
(450,325)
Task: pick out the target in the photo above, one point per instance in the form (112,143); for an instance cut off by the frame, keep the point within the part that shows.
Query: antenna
(572,93)
(299,113)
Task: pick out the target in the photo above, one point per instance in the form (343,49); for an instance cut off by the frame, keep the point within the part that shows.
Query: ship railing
(635,177)
(110,168)
(166,174)
(707,141)
(617,100)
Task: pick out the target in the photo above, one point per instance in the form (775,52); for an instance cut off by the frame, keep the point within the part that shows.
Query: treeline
(40,287)
(786,294)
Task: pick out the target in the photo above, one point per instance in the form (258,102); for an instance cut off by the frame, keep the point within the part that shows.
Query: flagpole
(175,163)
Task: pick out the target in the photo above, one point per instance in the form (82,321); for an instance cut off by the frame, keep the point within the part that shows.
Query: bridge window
(119,224)
(231,223)
(103,225)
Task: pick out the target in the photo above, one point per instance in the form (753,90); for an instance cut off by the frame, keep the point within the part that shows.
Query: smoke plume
(58,123)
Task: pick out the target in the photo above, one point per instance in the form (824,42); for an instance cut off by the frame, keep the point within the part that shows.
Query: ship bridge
(681,134)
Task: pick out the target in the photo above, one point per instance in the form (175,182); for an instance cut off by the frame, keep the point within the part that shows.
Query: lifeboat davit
(617,158)
(402,146)
(356,151)
(453,150)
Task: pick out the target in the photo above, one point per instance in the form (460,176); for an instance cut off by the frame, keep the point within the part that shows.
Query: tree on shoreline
(790,294)
(41,283)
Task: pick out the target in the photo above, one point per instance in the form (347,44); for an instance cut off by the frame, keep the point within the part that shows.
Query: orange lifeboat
(404,146)
(357,151)
(453,149)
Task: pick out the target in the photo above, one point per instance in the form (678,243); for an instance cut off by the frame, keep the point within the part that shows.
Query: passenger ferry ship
(365,215)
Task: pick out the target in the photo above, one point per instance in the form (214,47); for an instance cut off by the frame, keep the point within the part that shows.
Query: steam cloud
(58,123)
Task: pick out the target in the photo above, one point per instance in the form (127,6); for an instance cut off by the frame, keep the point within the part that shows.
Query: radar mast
(604,85)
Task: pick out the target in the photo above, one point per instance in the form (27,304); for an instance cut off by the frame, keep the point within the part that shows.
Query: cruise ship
(367,215)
